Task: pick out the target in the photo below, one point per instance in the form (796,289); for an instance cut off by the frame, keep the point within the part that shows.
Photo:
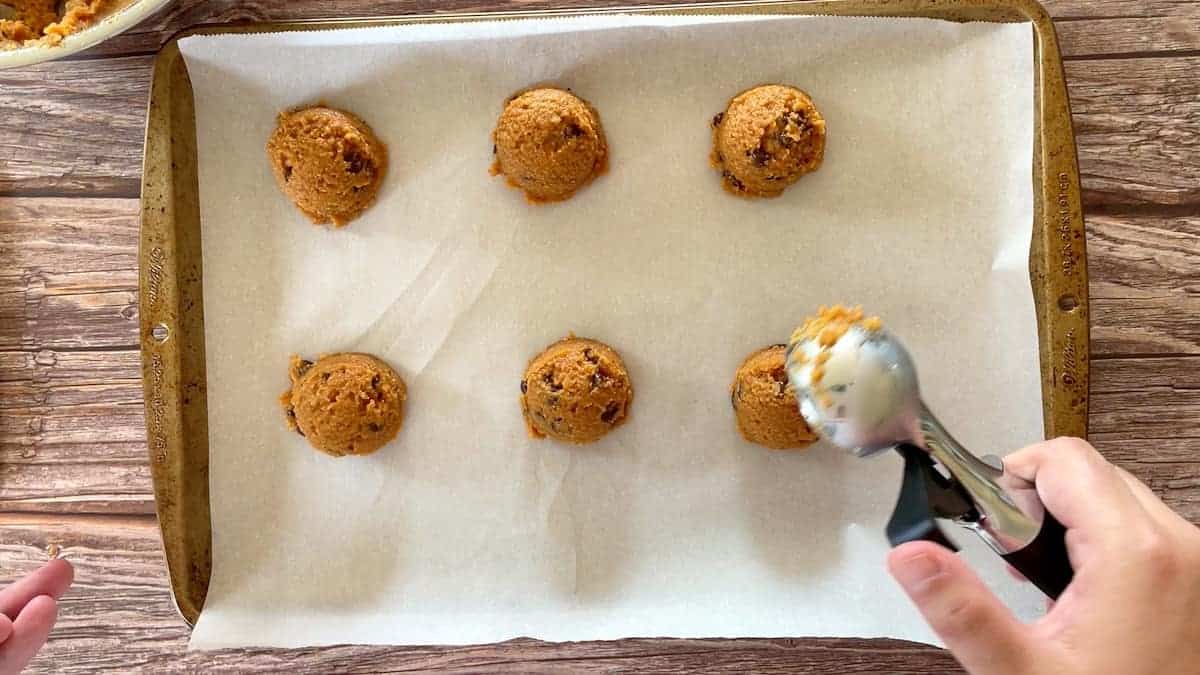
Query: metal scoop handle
(926,495)
(1005,510)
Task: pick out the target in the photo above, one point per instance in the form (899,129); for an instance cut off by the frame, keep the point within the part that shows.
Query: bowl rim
(113,24)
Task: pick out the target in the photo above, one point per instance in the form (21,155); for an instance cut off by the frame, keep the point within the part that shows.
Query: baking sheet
(466,531)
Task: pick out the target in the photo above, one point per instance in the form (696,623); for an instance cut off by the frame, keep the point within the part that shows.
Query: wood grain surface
(73,472)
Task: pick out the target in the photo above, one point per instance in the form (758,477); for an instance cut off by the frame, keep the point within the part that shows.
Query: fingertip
(60,574)
(915,564)
(913,548)
(61,566)
(905,552)
(68,570)
(6,627)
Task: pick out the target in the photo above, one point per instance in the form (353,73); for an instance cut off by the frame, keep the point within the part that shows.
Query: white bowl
(117,22)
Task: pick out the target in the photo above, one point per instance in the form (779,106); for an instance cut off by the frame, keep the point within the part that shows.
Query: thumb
(981,632)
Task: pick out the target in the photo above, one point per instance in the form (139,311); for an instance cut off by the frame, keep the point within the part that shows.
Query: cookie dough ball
(549,143)
(344,404)
(765,404)
(766,139)
(576,391)
(328,162)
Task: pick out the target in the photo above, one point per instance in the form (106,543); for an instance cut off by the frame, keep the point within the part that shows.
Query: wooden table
(74,478)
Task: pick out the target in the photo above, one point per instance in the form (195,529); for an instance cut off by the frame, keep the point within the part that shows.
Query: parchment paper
(466,531)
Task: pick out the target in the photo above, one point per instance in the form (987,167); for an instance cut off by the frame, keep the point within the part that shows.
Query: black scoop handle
(926,495)
(1044,561)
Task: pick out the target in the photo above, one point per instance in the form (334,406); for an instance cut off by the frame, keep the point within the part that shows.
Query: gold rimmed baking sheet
(171,276)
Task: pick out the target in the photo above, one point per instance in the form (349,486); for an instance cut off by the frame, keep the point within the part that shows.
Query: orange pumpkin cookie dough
(549,143)
(767,138)
(830,323)
(576,391)
(825,329)
(328,162)
(765,404)
(48,21)
(344,404)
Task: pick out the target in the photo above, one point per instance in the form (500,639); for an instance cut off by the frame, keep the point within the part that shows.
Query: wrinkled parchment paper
(464,530)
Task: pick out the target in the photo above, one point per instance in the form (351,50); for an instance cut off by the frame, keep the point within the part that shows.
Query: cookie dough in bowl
(549,143)
(344,404)
(328,162)
(767,138)
(765,404)
(32,31)
(575,391)
(48,21)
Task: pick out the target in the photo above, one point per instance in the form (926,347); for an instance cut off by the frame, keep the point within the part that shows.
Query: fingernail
(914,572)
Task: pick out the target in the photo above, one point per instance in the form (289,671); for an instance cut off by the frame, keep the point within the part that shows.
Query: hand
(1132,607)
(28,609)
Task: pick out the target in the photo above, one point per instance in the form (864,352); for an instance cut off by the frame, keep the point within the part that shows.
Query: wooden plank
(1145,417)
(118,616)
(1154,397)
(71,423)
(68,236)
(1115,9)
(1137,125)
(78,478)
(74,127)
(72,435)
(102,308)
(30,378)
(1144,284)
(1091,28)
(81,122)
(68,273)
(1131,36)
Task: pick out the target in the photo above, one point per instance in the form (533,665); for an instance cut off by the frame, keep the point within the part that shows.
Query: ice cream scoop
(857,387)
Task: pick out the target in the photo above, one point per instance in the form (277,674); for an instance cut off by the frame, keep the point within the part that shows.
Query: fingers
(1150,501)
(52,579)
(29,632)
(983,634)
(1076,484)
(28,609)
